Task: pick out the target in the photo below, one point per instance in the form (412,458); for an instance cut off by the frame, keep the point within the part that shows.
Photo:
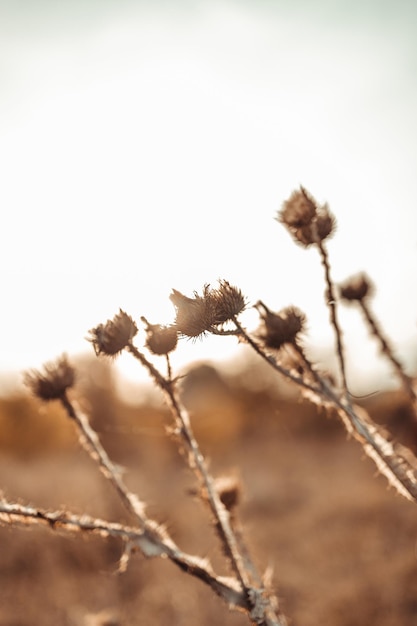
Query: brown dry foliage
(334,530)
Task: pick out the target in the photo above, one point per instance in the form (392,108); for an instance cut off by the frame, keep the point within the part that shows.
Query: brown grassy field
(341,545)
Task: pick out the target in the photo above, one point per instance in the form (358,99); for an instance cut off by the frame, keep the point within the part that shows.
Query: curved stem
(91,443)
(331,304)
(261,609)
(270,359)
(148,543)
(387,350)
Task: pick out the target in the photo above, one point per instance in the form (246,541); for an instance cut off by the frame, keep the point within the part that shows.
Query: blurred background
(149,145)
(146,146)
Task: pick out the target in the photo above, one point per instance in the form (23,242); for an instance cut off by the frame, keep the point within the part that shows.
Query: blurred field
(342,546)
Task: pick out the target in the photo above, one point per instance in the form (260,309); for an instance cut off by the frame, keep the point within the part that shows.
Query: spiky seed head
(160,339)
(307,222)
(201,314)
(113,336)
(53,382)
(299,210)
(356,287)
(194,316)
(278,329)
(228,302)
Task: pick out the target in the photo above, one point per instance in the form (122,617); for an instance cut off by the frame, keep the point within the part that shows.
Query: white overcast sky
(149,145)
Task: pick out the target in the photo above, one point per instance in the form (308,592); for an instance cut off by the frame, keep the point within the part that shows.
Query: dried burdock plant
(54,378)
(109,339)
(317,226)
(278,341)
(243,593)
(207,313)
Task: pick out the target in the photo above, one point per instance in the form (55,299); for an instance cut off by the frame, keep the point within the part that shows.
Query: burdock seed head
(194,316)
(113,336)
(53,382)
(356,287)
(160,339)
(280,328)
(228,302)
(307,222)
(201,314)
(299,210)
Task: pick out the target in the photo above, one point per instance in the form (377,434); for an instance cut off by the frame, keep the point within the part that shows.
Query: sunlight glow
(151,149)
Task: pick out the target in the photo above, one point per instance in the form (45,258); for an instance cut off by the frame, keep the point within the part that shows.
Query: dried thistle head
(299,210)
(228,302)
(307,222)
(278,329)
(53,382)
(194,316)
(356,287)
(201,314)
(160,339)
(113,336)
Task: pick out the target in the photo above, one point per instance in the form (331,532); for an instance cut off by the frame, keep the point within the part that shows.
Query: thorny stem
(392,460)
(310,367)
(149,543)
(387,350)
(261,609)
(257,604)
(91,443)
(186,433)
(249,564)
(272,361)
(331,303)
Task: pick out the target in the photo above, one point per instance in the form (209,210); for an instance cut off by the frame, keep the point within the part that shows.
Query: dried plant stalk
(394,461)
(310,225)
(150,545)
(388,351)
(261,605)
(90,441)
(358,290)
(334,321)
(54,384)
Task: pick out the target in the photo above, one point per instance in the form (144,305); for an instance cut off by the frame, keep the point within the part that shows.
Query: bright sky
(149,145)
